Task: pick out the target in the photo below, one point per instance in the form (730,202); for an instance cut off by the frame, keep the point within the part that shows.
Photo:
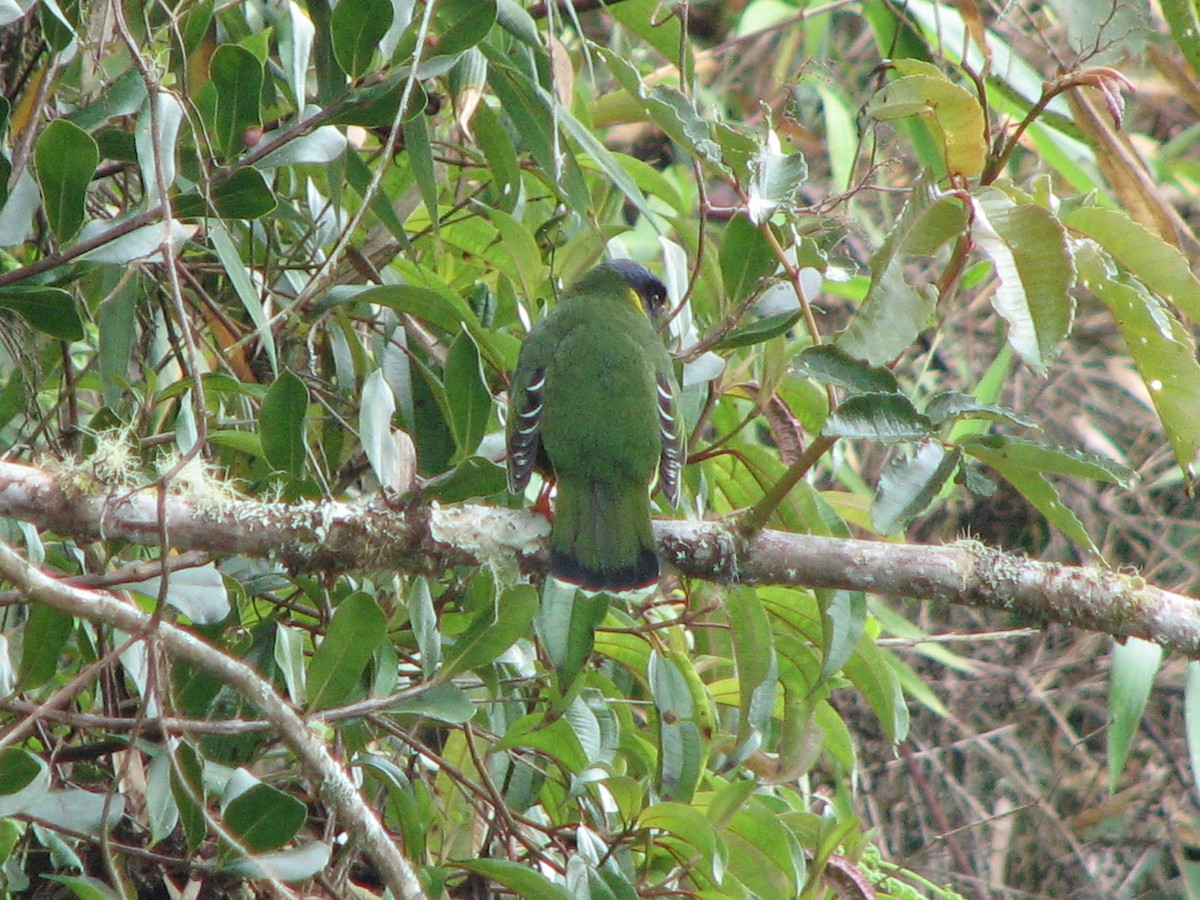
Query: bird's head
(644,290)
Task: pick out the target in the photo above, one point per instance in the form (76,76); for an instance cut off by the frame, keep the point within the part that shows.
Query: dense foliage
(286,252)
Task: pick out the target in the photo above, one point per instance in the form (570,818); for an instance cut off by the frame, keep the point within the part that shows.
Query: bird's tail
(601,539)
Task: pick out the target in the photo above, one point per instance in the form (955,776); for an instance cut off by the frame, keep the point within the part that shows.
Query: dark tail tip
(638,576)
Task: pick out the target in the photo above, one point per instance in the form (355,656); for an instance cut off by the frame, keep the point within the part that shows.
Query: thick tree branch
(335,536)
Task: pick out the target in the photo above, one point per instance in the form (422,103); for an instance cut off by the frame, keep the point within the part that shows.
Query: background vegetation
(931,266)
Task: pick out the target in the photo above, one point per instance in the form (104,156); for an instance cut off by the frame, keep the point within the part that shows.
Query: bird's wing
(525,429)
(670,461)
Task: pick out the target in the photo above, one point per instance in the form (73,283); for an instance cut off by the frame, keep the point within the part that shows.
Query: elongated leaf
(1034,487)
(878,417)
(493,630)
(236,76)
(843,617)
(831,364)
(1192,719)
(520,879)
(690,827)
(763,853)
(909,484)
(66,156)
(1019,453)
(468,395)
(894,312)
(357,627)
(946,406)
(1162,349)
(1134,665)
(281,423)
(46,634)
(566,626)
(1027,246)
(680,749)
(754,656)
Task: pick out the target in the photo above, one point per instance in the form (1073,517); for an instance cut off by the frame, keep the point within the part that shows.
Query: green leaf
(878,417)
(909,484)
(1184,18)
(754,658)
(1028,247)
(46,634)
(1013,452)
(357,627)
(680,747)
(444,701)
(945,406)
(747,258)
(66,157)
(1191,714)
(952,113)
(423,618)
(1134,665)
(831,364)
(18,770)
(1032,485)
(763,853)
(243,195)
(673,112)
(281,423)
(520,879)
(459,25)
(467,394)
(1163,350)
(236,75)
(757,332)
(187,787)
(264,817)
(644,18)
(85,887)
(495,628)
(689,827)
(775,180)
(843,618)
(894,312)
(1147,257)
(566,625)
(357,27)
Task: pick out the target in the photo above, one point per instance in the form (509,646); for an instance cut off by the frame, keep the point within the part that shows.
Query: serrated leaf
(909,484)
(1034,487)
(356,628)
(843,617)
(1035,273)
(1014,452)
(878,417)
(1134,665)
(831,364)
(66,156)
(947,405)
(281,423)
(1162,349)
(894,312)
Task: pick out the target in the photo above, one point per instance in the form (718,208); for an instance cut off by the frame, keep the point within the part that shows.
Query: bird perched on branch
(593,405)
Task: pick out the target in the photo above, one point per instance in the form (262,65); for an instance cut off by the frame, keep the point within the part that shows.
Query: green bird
(592,404)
